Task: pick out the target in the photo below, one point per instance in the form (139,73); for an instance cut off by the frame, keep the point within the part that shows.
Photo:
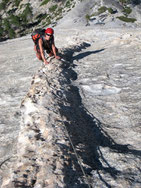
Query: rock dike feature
(44,156)
(53,112)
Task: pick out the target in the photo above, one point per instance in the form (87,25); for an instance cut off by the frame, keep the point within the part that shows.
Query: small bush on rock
(102,9)
(17,2)
(127,10)
(111,11)
(53,8)
(125,19)
(44,2)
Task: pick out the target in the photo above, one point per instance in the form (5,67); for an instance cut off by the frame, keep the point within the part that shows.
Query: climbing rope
(77,157)
(79,161)
(75,152)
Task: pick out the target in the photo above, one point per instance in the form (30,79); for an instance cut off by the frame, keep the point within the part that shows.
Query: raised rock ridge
(45,157)
(103,123)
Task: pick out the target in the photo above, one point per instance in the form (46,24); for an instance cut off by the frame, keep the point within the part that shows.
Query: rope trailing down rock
(44,154)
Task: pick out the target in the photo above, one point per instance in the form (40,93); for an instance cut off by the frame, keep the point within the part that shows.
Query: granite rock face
(110,91)
(21,17)
(45,157)
(16,75)
(80,119)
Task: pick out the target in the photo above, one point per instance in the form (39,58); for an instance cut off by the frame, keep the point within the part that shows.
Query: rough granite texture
(44,155)
(92,95)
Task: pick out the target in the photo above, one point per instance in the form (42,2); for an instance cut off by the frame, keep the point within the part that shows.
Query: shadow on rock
(86,131)
(82,55)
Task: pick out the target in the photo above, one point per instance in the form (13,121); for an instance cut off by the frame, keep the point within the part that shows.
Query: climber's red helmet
(49,31)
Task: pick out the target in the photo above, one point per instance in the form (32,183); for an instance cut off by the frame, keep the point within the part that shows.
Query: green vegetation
(12,22)
(48,20)
(15,24)
(11,33)
(6,24)
(68,4)
(124,1)
(53,8)
(12,11)
(17,2)
(59,18)
(125,19)
(8,29)
(15,20)
(44,2)
(127,10)
(73,5)
(26,13)
(110,10)
(28,10)
(1,31)
(59,11)
(55,13)
(87,17)
(41,17)
(102,10)
(3,4)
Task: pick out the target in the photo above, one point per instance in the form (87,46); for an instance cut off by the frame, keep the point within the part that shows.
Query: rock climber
(46,43)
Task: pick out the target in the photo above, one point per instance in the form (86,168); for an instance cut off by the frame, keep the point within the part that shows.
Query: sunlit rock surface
(90,98)
(109,80)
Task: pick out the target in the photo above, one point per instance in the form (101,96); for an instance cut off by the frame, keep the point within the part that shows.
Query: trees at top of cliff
(136,2)
(126,2)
